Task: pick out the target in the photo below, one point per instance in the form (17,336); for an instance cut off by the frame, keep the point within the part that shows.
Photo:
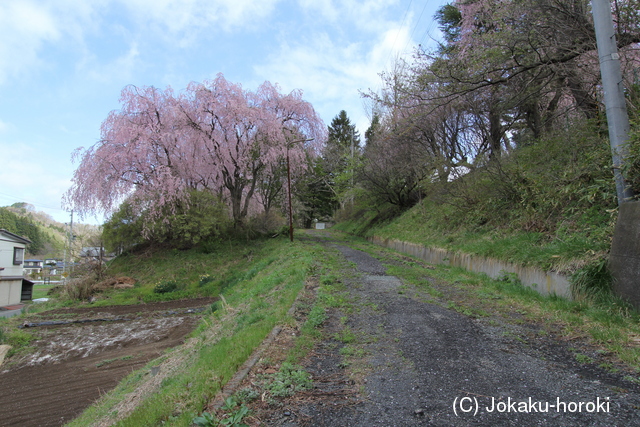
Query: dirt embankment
(82,353)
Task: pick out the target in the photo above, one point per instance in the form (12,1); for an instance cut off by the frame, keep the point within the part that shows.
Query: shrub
(287,381)
(165,287)
(201,218)
(79,288)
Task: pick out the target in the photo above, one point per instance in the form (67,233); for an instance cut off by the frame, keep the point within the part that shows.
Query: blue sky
(63,64)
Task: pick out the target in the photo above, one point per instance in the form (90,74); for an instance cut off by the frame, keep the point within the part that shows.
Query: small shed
(27,290)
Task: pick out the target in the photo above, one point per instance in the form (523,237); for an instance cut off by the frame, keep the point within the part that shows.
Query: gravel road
(423,364)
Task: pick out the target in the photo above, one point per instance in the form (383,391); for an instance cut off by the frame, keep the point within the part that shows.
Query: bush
(288,380)
(165,287)
(201,217)
(539,186)
(79,288)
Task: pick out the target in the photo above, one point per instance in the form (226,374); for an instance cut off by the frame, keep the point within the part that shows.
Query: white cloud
(327,9)
(120,70)
(30,177)
(187,18)
(331,72)
(29,27)
(367,16)
(24,28)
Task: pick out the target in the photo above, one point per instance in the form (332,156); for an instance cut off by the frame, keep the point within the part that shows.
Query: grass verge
(257,291)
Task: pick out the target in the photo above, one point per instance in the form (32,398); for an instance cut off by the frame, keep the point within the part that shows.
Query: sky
(64,63)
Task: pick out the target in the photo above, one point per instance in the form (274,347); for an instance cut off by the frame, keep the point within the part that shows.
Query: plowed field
(82,353)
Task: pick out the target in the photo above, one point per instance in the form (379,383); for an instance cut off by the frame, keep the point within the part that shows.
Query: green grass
(19,339)
(40,291)
(549,203)
(258,285)
(426,224)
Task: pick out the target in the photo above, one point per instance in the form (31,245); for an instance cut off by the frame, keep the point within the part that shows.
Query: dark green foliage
(592,282)
(124,229)
(202,219)
(206,420)
(342,148)
(549,203)
(343,134)
(317,316)
(287,381)
(205,279)
(558,183)
(23,226)
(449,18)
(317,197)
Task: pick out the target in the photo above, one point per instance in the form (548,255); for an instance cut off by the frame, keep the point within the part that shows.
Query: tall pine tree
(343,147)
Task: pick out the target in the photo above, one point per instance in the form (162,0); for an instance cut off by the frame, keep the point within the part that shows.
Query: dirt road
(419,363)
(83,353)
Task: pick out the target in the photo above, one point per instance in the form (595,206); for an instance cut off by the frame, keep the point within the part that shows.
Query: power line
(431,26)
(426,3)
(393,46)
(31,202)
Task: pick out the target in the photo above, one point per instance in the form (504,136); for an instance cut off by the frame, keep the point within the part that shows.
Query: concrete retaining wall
(624,260)
(544,282)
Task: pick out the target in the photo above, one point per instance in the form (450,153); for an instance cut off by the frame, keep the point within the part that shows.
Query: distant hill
(48,236)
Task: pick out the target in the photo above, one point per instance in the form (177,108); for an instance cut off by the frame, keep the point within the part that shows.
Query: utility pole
(351,167)
(290,143)
(617,116)
(67,246)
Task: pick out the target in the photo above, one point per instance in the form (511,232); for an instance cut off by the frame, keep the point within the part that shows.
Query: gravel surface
(423,364)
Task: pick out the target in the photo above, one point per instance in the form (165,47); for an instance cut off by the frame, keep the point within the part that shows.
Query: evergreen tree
(343,147)
(374,129)
(316,196)
(24,227)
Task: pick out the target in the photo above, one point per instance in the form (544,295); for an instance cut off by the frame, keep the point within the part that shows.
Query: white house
(12,248)
(32,266)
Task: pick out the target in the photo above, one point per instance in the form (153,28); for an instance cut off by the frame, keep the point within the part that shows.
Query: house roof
(91,251)
(14,237)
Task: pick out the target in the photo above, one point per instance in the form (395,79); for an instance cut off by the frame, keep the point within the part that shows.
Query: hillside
(550,204)
(48,236)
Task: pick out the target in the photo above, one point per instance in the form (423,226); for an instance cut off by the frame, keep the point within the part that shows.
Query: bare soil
(415,361)
(81,353)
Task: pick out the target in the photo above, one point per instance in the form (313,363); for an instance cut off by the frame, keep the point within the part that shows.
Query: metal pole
(617,117)
(71,241)
(289,185)
(289,188)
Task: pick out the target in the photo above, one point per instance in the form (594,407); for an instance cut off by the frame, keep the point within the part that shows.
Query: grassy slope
(428,224)
(549,204)
(259,284)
